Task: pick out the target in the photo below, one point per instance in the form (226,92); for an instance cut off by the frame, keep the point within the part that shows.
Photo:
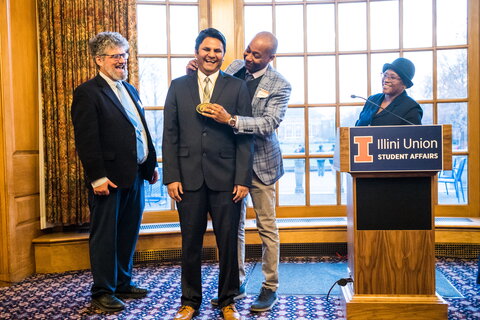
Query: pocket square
(262,93)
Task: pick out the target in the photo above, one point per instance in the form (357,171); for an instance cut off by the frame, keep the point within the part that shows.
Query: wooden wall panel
(22,255)
(28,209)
(457,236)
(222,13)
(19,165)
(59,258)
(25,74)
(26,166)
(5,97)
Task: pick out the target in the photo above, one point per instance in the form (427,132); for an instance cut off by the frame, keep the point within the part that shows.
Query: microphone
(367,101)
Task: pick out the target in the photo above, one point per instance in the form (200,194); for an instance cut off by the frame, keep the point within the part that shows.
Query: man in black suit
(117,154)
(207,169)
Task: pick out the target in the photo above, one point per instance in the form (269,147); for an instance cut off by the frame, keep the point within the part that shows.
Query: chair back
(458,170)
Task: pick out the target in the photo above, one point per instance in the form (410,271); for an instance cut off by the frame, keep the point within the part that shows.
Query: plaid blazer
(269,105)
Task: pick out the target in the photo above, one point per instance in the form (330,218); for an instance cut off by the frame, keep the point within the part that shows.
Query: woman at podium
(393,106)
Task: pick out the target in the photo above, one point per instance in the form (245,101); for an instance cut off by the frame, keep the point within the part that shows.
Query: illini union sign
(396,148)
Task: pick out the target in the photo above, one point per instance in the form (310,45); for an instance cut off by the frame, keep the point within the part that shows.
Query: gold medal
(202,107)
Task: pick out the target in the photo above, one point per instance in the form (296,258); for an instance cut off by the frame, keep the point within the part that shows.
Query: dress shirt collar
(213,77)
(111,83)
(259,73)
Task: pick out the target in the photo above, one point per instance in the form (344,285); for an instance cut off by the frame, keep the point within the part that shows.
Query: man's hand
(192,66)
(217,113)
(239,192)
(102,190)
(154,178)
(175,189)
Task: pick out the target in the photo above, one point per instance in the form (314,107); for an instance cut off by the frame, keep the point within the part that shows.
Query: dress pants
(263,199)
(225,214)
(114,226)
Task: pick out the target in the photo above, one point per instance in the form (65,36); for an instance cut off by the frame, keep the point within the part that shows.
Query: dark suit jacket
(403,106)
(104,136)
(196,149)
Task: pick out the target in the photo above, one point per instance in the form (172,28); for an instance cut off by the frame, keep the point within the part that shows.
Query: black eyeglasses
(116,56)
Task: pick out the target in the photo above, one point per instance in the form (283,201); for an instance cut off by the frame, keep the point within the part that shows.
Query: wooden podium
(391,240)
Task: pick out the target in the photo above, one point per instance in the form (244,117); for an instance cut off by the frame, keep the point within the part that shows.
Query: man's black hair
(210,33)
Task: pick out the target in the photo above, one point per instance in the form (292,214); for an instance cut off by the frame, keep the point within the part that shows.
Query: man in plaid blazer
(270,93)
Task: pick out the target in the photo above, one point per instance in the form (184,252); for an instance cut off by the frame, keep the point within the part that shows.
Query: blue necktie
(134,119)
(248,76)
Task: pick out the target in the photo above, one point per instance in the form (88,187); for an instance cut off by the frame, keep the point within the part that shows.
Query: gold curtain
(65,28)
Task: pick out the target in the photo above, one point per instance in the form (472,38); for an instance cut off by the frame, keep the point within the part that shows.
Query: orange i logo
(363,144)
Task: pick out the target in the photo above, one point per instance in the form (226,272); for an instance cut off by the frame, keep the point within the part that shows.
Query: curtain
(65,26)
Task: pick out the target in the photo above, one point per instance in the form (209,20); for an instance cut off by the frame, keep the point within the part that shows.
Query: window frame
(230,15)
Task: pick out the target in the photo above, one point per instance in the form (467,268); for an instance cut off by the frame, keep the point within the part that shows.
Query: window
(166,35)
(330,50)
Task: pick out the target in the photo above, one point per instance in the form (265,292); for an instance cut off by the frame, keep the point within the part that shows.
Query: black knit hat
(404,68)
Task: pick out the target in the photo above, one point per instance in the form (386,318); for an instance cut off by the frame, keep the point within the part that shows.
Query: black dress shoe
(108,302)
(132,292)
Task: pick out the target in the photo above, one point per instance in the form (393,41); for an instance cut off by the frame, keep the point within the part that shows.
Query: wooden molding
(5,103)
(19,137)
(447,146)
(391,307)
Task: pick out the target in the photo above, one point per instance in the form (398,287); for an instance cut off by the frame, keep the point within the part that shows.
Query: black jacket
(104,136)
(198,150)
(402,106)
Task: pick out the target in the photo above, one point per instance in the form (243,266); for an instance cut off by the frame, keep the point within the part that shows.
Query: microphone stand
(396,115)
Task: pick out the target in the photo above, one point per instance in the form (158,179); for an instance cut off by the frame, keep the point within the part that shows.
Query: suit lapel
(110,94)
(107,90)
(390,108)
(219,85)
(264,84)
(217,89)
(192,84)
(240,73)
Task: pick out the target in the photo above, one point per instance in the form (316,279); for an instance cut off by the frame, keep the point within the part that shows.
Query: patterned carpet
(67,295)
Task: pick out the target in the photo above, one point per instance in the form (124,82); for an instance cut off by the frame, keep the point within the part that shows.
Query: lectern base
(392,307)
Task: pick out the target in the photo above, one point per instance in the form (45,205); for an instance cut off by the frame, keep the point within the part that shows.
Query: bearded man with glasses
(393,106)
(117,154)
